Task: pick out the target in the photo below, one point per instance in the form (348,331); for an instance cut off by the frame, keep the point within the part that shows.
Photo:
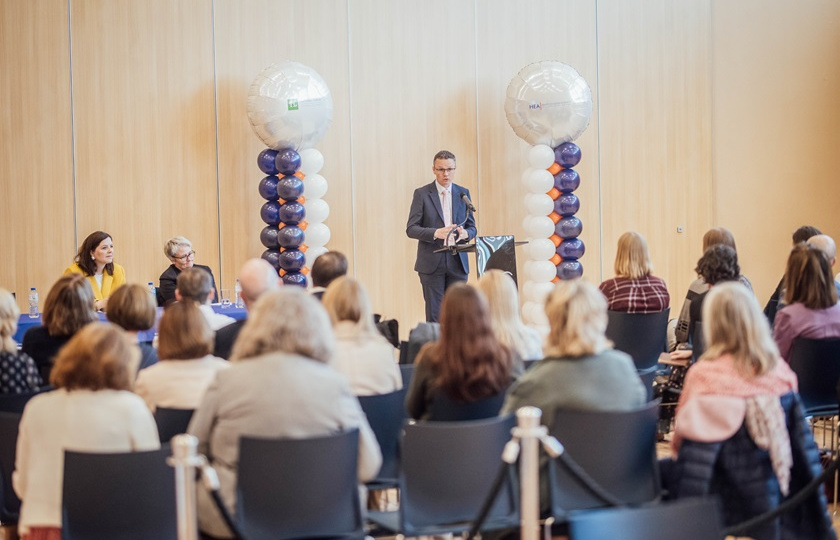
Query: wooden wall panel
(511,35)
(313,33)
(36,154)
(145,128)
(655,131)
(413,93)
(776,127)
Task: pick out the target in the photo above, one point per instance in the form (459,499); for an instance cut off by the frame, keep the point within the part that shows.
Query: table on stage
(25,322)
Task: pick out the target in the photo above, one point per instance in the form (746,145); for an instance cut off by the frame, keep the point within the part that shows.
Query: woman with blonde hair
(278,385)
(132,308)
(68,307)
(634,289)
(362,354)
(18,373)
(186,367)
(180,252)
(503,299)
(91,410)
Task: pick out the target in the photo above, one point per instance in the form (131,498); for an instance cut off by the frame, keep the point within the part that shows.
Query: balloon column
(290,109)
(549,105)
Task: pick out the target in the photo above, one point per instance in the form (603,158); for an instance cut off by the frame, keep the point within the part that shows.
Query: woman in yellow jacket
(95,261)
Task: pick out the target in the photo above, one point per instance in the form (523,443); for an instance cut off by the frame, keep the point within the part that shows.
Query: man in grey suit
(439,216)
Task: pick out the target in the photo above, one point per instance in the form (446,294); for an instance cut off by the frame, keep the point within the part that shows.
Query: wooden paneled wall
(130,116)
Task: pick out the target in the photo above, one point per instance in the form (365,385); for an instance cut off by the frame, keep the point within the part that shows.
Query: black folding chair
(386,415)
(171,422)
(9,502)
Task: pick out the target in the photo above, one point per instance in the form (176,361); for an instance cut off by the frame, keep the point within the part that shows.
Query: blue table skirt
(25,322)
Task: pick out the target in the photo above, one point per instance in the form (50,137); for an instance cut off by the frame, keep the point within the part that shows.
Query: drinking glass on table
(225,298)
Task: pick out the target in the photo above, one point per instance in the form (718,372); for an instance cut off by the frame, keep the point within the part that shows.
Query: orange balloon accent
(555,217)
(302,199)
(556,239)
(555,280)
(300,175)
(303,248)
(303,225)
(555,168)
(281,201)
(282,249)
(281,272)
(556,259)
(281,225)
(305,271)
(554,193)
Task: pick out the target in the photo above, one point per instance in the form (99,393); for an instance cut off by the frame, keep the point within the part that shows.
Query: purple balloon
(567,180)
(292,213)
(567,155)
(567,204)
(270,213)
(292,260)
(294,278)
(290,187)
(268,188)
(290,236)
(572,248)
(265,161)
(268,237)
(568,227)
(287,161)
(569,270)
(273,257)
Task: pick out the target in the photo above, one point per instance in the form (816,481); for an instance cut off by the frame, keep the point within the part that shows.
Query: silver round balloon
(290,106)
(548,103)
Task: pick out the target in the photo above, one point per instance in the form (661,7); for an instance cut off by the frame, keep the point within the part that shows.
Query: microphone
(468,202)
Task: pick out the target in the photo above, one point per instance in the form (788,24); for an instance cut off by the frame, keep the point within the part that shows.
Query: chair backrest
(686,519)
(816,363)
(421,334)
(617,449)
(386,415)
(641,335)
(299,488)
(171,422)
(448,469)
(9,502)
(698,342)
(121,496)
(407,372)
(445,409)
(15,403)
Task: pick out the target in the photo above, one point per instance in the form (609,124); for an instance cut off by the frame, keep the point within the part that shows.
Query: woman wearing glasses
(180,252)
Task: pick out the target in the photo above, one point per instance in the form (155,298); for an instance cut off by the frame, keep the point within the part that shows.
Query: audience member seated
(132,308)
(186,367)
(362,354)
(67,308)
(500,290)
(467,363)
(329,266)
(278,385)
(634,289)
(180,253)
(197,285)
(800,235)
(18,373)
(826,244)
(811,309)
(95,261)
(91,410)
(731,394)
(680,333)
(257,276)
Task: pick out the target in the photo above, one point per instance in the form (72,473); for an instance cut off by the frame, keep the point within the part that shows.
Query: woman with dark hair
(468,363)
(67,308)
(811,309)
(95,261)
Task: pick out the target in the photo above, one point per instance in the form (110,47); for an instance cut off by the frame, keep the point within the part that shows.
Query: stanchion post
(184,460)
(529,433)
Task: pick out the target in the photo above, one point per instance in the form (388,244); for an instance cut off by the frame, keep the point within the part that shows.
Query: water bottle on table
(152,289)
(237,294)
(33,303)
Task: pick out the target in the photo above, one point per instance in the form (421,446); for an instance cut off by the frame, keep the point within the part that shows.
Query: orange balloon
(555,279)
(303,225)
(303,248)
(281,201)
(302,199)
(300,175)
(556,259)
(556,239)
(282,272)
(554,193)
(555,168)
(305,271)
(555,217)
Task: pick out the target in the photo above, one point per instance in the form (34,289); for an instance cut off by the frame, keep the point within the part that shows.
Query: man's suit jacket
(425,216)
(168,279)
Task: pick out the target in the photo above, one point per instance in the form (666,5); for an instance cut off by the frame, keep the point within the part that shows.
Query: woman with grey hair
(279,385)
(180,252)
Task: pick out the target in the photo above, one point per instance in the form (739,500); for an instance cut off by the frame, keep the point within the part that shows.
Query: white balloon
(313,253)
(542,271)
(540,291)
(539,204)
(314,186)
(540,249)
(526,288)
(540,181)
(541,156)
(317,235)
(317,210)
(540,226)
(530,312)
(289,106)
(311,161)
(526,175)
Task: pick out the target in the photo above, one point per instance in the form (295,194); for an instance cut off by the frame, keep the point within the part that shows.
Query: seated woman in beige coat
(278,385)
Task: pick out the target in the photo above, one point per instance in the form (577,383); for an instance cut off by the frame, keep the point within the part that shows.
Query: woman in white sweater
(186,367)
(91,410)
